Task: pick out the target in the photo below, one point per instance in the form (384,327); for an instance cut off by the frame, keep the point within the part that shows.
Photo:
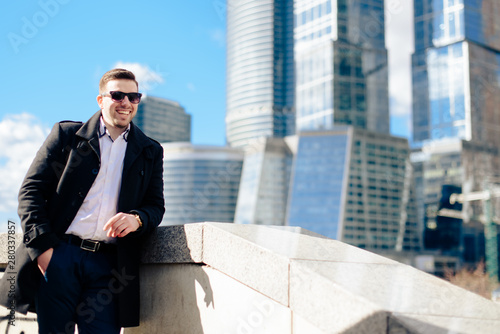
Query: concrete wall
(226,278)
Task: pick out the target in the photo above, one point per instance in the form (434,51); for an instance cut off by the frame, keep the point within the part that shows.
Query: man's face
(118,114)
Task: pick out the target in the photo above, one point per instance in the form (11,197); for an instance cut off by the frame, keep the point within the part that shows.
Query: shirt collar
(104,131)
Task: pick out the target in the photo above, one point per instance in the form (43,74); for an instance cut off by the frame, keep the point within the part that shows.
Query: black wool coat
(54,189)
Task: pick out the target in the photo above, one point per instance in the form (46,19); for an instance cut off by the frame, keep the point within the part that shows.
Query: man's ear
(99,100)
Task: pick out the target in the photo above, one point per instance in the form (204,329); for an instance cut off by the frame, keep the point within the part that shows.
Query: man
(93,191)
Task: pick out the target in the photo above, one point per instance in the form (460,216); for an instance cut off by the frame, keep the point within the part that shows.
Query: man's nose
(125,100)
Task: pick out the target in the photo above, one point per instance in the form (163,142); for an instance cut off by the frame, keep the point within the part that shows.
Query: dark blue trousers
(77,289)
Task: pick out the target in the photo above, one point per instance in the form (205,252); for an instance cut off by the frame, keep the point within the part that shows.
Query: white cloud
(399,41)
(20,137)
(147,78)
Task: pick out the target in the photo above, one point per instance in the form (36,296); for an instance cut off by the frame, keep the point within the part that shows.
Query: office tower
(456,112)
(264,183)
(341,65)
(456,66)
(201,183)
(350,179)
(260,70)
(163,120)
(452,165)
(355,185)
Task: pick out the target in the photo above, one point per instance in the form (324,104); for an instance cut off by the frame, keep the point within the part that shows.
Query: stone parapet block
(231,251)
(314,284)
(174,244)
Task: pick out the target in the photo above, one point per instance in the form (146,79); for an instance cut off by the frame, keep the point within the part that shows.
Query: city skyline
(39,62)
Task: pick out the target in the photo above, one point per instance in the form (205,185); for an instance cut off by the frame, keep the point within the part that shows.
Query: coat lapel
(89,132)
(136,142)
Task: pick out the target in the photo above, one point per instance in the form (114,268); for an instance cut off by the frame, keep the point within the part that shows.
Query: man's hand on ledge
(121,224)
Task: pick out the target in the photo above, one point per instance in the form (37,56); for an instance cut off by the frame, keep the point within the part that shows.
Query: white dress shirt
(101,202)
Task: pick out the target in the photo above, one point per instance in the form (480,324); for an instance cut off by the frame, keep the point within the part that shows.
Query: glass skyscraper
(465,166)
(456,114)
(350,180)
(341,174)
(356,186)
(341,65)
(163,120)
(456,70)
(260,70)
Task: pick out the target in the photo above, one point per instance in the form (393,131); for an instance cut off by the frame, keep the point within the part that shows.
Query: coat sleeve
(152,207)
(38,186)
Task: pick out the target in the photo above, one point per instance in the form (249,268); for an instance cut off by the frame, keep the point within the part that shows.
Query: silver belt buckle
(90,245)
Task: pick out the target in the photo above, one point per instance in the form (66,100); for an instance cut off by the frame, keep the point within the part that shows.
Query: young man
(93,191)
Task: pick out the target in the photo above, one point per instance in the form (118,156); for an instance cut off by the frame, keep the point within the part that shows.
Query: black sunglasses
(119,96)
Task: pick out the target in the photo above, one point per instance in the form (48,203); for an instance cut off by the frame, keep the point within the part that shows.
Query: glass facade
(456,114)
(341,65)
(318,180)
(455,66)
(443,22)
(260,70)
(264,183)
(163,120)
(464,165)
(355,186)
(200,183)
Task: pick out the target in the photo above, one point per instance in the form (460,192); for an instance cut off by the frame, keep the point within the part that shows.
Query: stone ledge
(321,285)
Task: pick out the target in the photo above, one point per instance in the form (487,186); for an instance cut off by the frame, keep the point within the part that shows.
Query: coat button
(95,171)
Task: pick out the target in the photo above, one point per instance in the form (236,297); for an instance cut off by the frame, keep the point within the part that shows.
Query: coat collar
(136,143)
(90,132)
(136,140)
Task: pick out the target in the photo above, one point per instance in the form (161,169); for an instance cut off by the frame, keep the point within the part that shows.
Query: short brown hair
(116,74)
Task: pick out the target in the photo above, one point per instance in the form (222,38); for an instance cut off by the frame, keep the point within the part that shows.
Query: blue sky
(52,71)
(53,53)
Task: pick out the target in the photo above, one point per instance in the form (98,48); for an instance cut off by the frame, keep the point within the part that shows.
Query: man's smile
(124,112)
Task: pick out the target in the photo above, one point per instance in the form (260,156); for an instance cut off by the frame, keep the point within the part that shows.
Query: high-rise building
(334,176)
(356,186)
(351,180)
(456,116)
(456,66)
(451,165)
(200,183)
(163,120)
(260,70)
(341,65)
(264,183)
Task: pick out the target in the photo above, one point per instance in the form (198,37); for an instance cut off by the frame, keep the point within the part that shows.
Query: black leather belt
(89,245)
